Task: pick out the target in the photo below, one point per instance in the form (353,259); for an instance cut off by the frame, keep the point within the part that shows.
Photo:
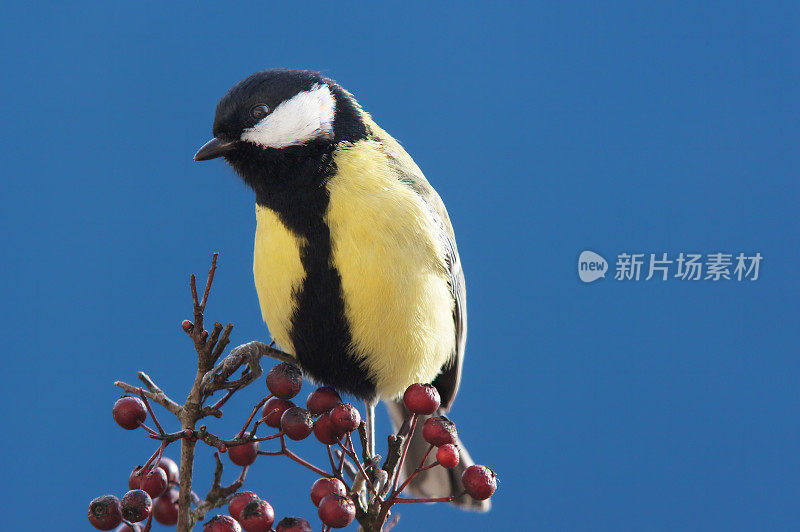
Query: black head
(277,113)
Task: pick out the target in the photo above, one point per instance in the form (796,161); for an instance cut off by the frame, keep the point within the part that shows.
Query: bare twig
(152,414)
(346,465)
(161,398)
(252,415)
(211,439)
(286,452)
(158,395)
(405,451)
(192,408)
(218,495)
(393,455)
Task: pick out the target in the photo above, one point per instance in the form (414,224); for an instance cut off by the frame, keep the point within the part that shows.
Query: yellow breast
(278,272)
(386,247)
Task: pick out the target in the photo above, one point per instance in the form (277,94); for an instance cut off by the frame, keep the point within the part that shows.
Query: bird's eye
(259,111)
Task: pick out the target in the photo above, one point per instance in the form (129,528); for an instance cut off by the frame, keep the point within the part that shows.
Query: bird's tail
(437,481)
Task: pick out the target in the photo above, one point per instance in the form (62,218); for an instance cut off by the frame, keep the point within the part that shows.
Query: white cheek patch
(306,116)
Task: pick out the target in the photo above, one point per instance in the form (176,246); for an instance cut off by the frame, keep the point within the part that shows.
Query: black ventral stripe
(320,332)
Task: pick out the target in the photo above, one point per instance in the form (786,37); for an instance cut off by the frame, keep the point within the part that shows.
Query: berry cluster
(351,487)
(151,495)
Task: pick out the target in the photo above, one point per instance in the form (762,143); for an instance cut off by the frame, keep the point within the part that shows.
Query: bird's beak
(214,148)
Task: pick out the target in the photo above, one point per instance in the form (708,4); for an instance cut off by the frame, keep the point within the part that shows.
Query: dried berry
(257,516)
(297,423)
(129,412)
(170,468)
(105,512)
(422,399)
(447,456)
(322,400)
(273,410)
(239,501)
(324,487)
(135,479)
(439,431)
(124,527)
(165,508)
(284,381)
(325,431)
(336,511)
(222,523)
(293,524)
(136,506)
(345,417)
(479,481)
(244,454)
(154,482)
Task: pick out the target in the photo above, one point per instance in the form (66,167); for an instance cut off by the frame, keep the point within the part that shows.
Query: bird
(355,261)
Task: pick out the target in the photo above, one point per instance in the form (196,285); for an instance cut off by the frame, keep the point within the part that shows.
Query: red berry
(125,528)
(170,468)
(135,480)
(244,454)
(336,511)
(479,481)
(129,412)
(322,400)
(222,523)
(422,399)
(447,456)
(154,482)
(105,512)
(284,380)
(136,506)
(187,326)
(257,516)
(239,501)
(325,431)
(345,417)
(273,410)
(324,487)
(293,524)
(165,508)
(439,431)
(297,423)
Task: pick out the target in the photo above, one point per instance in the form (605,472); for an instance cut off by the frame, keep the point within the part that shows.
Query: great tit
(355,260)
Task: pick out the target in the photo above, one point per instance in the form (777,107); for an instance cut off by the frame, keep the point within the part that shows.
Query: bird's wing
(448,380)
(409,173)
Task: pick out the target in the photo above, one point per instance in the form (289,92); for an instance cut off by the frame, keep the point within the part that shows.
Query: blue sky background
(641,127)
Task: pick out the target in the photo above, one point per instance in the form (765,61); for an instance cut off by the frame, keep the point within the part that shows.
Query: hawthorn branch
(218,495)
(157,395)
(211,439)
(161,398)
(393,458)
(206,348)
